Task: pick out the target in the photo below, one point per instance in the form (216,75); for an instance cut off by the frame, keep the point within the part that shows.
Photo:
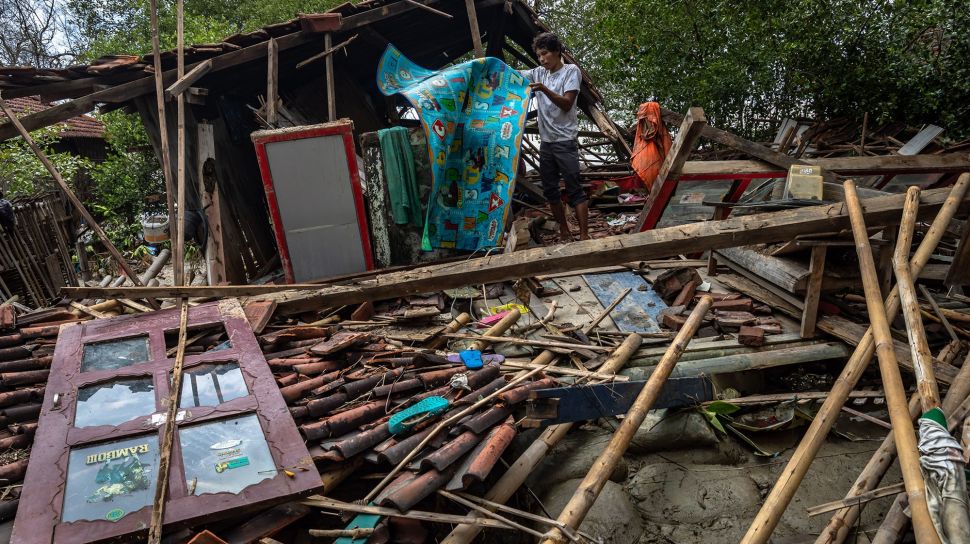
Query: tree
(29,33)
(751,62)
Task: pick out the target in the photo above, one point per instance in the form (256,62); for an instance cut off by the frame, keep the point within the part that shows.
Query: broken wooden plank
(813,292)
(658,243)
(844,166)
(663,187)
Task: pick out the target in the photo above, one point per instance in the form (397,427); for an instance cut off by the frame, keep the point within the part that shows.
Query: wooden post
(179,248)
(82,261)
(892,381)
(513,478)
(331,92)
(589,489)
(272,81)
(215,255)
(664,186)
(814,290)
(473,26)
(69,193)
(793,473)
(163,124)
(922,358)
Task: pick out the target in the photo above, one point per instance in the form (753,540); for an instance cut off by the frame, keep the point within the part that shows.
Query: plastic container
(155,228)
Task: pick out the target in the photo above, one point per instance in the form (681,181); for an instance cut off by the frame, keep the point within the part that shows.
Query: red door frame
(343,128)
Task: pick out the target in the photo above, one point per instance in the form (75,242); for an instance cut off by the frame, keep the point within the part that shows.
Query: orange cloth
(651,145)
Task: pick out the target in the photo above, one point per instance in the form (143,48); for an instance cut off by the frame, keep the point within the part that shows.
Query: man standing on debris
(556,86)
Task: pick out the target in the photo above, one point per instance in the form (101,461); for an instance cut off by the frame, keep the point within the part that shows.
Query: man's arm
(566,100)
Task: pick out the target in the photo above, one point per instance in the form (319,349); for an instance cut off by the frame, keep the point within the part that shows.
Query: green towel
(402,182)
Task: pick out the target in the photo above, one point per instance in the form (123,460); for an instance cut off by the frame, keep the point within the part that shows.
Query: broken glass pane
(110,480)
(114,354)
(226,455)
(199,339)
(114,402)
(212,384)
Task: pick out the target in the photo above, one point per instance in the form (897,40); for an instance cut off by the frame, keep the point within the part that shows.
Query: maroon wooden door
(93,467)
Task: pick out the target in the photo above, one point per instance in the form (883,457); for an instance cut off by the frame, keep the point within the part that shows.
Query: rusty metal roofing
(82,126)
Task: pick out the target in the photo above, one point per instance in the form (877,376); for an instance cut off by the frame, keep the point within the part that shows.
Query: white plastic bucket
(155,228)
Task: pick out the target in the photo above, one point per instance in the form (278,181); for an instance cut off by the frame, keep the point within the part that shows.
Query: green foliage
(713,411)
(105,27)
(123,182)
(753,61)
(22,174)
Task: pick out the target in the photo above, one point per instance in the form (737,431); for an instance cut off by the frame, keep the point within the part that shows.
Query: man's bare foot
(584,236)
(565,237)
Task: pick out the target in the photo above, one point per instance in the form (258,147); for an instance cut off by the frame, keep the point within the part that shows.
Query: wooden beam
(69,193)
(139,87)
(655,244)
(327,52)
(753,149)
(814,291)
(959,272)
(209,191)
(188,79)
(476,34)
(430,9)
(331,92)
(844,166)
(272,80)
(664,186)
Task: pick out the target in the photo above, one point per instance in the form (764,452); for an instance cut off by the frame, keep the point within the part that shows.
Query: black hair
(548,41)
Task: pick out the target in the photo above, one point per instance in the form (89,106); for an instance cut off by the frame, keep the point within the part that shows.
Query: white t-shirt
(556,125)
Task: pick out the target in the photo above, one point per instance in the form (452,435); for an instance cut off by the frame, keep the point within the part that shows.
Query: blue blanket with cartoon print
(474,116)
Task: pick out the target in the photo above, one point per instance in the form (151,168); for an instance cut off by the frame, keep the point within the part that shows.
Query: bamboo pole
(896,520)
(513,478)
(589,489)
(69,193)
(892,380)
(454,326)
(179,260)
(163,123)
(168,436)
(939,314)
(791,476)
(842,521)
(606,311)
(497,329)
(929,392)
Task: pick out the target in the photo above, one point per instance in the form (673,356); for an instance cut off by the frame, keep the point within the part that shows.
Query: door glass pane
(110,480)
(114,354)
(226,455)
(212,384)
(114,402)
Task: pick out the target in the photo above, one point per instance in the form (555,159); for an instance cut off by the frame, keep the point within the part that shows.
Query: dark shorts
(560,160)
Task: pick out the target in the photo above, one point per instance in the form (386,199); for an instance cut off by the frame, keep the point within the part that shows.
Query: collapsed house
(652,384)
